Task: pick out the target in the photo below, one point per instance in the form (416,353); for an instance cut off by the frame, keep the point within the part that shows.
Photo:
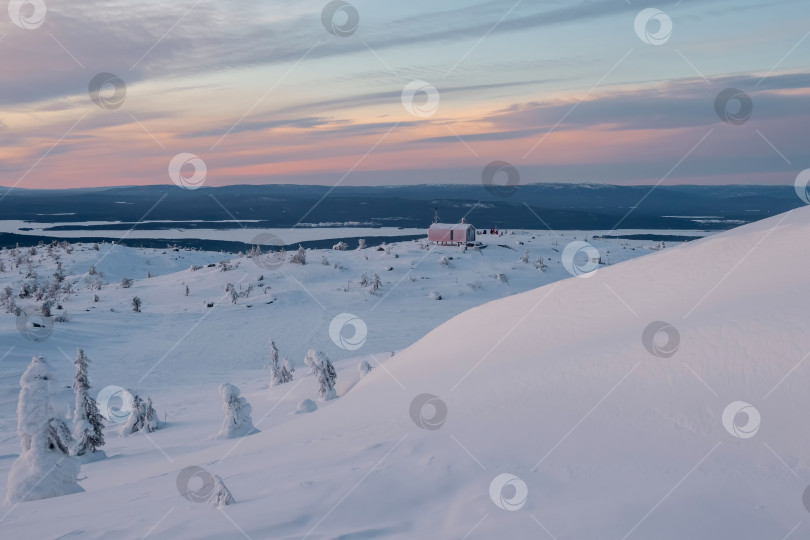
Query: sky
(373,92)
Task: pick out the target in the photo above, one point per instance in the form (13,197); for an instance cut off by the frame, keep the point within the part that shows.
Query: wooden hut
(452,233)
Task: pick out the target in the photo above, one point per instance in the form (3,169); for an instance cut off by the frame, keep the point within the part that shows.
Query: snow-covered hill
(558,387)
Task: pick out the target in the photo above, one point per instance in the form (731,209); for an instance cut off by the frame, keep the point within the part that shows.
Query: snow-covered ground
(556,386)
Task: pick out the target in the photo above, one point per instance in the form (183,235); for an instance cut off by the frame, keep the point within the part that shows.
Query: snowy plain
(544,378)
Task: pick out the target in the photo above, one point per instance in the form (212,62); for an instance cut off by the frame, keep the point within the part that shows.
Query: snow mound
(306,406)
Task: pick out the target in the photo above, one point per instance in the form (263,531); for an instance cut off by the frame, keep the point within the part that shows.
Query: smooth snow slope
(554,386)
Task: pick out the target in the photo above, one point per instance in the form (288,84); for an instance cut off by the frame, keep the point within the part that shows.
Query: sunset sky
(262,92)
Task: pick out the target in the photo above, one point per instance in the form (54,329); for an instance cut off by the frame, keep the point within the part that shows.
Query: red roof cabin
(452,233)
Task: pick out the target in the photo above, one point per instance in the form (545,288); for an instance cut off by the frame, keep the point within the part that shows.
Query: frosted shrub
(143,416)
(238,421)
(364,368)
(299,257)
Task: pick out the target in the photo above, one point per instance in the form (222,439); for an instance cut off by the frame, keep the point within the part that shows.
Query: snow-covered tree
(323,369)
(364,281)
(143,416)
(279,374)
(45,309)
(364,367)
(361,243)
(126,283)
(59,435)
(222,496)
(376,284)
(87,421)
(44,468)
(59,275)
(340,246)
(540,264)
(136,304)
(300,257)
(230,290)
(237,422)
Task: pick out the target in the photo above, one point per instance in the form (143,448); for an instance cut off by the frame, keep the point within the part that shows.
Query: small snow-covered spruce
(187,291)
(151,422)
(376,284)
(222,496)
(126,283)
(525,258)
(364,367)
(45,309)
(136,304)
(279,374)
(325,372)
(364,281)
(231,291)
(87,421)
(143,416)
(59,275)
(299,257)
(44,469)
(361,243)
(237,422)
(540,264)
(340,246)
(247,292)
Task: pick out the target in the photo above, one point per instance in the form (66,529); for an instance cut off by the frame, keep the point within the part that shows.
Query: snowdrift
(610,423)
